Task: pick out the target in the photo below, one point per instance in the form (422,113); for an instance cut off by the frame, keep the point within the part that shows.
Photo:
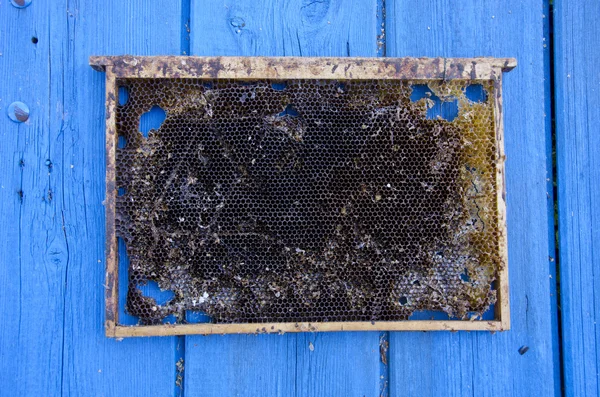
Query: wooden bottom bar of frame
(270,328)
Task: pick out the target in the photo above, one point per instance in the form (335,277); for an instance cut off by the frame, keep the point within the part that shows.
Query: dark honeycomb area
(308,200)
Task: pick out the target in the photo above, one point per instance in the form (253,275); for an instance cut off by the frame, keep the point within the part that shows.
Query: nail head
(18,112)
(20,3)
(523,349)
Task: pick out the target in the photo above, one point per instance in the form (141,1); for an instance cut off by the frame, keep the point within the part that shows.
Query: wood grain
(475,363)
(132,367)
(577,104)
(52,271)
(323,68)
(175,67)
(52,245)
(35,252)
(241,365)
(340,364)
(333,326)
(284,28)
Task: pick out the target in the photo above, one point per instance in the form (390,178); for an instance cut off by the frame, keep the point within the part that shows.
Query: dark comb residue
(307,200)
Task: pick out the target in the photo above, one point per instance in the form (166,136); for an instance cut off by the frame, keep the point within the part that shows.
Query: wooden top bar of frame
(128,66)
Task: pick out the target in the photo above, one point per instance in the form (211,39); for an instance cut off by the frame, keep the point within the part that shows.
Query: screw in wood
(20,3)
(18,112)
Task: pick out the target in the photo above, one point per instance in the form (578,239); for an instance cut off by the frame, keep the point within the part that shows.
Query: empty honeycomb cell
(307,200)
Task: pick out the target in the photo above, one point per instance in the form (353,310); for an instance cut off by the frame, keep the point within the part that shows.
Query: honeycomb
(308,200)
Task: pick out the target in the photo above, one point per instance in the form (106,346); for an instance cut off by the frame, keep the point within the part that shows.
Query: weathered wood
(324,68)
(140,367)
(52,271)
(280,328)
(337,365)
(34,249)
(111,286)
(578,165)
(241,365)
(475,363)
(51,278)
(420,69)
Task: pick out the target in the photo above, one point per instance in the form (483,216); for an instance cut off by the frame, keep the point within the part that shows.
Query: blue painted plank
(284,28)
(33,256)
(53,259)
(481,364)
(336,364)
(134,366)
(577,79)
(240,365)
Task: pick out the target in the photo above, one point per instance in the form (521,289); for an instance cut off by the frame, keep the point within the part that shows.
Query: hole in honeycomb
(123,95)
(464,276)
(420,91)
(170,319)
(316,201)
(476,93)
(122,142)
(289,110)
(436,108)
(195,317)
(279,86)
(124,317)
(429,315)
(152,120)
(488,315)
(152,290)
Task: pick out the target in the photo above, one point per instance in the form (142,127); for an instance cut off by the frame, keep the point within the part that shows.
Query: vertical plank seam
(64,319)
(296,341)
(180,341)
(62,193)
(48,195)
(384,337)
(384,364)
(381,28)
(555,271)
(21,199)
(185,27)
(179,389)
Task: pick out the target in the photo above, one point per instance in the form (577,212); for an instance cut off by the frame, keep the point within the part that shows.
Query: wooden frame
(428,69)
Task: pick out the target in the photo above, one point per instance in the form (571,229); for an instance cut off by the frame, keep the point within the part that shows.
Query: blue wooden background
(52,219)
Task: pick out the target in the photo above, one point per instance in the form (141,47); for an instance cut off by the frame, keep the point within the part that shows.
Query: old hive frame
(433,71)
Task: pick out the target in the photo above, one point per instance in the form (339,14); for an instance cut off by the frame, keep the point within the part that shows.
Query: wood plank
(483,363)
(95,365)
(53,267)
(240,365)
(577,107)
(35,252)
(339,364)
(288,67)
(284,28)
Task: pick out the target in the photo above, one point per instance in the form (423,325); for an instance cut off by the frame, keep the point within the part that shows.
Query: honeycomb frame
(431,71)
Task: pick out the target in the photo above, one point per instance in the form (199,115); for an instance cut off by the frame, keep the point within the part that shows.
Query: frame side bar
(503,309)
(112,255)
